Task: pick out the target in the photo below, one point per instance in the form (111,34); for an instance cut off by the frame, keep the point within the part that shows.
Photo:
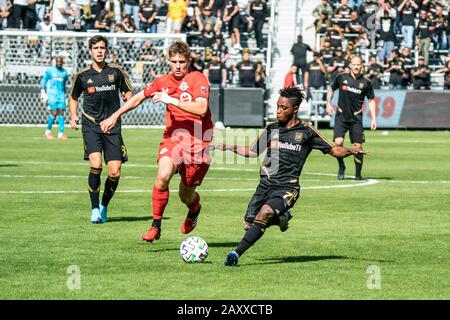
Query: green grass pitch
(385,238)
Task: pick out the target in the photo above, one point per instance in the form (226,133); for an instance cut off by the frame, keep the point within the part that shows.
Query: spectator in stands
(335,35)
(323,7)
(147,16)
(60,13)
(350,50)
(315,79)
(374,72)
(205,15)
(20,11)
(343,14)
(41,7)
(247,70)
(46,25)
(354,27)
(128,24)
(9,14)
(208,36)
(197,62)
(292,78)
(299,50)
(421,76)
(260,76)
(131,9)
(175,15)
(395,71)
(407,66)
(440,36)
(191,28)
(446,72)
(337,64)
(220,49)
(259,12)
(216,72)
(385,18)
(367,13)
(103,21)
(3,12)
(355,4)
(408,10)
(424,32)
(326,52)
(231,20)
(362,43)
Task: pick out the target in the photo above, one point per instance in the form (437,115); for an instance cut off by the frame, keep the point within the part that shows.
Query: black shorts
(111,145)
(278,198)
(355,128)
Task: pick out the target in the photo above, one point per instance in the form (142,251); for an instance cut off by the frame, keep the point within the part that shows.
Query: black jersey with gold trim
(352,92)
(101,94)
(287,151)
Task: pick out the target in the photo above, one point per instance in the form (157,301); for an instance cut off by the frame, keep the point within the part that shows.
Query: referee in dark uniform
(353,89)
(101,84)
(288,142)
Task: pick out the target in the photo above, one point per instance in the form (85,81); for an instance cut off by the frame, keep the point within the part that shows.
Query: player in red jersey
(184,147)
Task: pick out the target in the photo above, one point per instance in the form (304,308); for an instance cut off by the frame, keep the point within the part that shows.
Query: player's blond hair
(181,48)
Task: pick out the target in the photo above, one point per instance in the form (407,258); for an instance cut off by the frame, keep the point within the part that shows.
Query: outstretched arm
(342,152)
(242,151)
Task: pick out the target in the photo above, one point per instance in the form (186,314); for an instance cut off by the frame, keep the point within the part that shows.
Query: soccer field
(384,238)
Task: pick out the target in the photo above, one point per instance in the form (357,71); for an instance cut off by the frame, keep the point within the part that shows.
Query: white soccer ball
(194,249)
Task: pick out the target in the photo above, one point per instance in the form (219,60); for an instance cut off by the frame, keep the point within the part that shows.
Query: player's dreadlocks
(293,94)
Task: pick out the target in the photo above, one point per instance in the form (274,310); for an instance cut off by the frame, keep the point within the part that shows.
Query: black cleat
(341,173)
(359,178)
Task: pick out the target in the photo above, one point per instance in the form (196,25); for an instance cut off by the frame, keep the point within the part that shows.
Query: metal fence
(24,56)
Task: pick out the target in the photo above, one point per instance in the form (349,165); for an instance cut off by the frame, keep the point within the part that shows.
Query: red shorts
(192,161)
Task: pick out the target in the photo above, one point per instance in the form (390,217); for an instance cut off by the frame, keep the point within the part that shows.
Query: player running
(353,88)
(288,141)
(184,146)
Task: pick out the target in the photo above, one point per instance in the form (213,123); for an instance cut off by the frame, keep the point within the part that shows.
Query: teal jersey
(54,82)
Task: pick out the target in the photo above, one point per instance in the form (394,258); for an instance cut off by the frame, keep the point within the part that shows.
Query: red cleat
(152,234)
(188,225)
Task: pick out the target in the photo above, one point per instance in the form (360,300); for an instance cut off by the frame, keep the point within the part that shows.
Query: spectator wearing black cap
(421,76)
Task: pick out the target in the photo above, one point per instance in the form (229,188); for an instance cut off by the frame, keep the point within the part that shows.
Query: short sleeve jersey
(287,151)
(352,93)
(101,94)
(194,85)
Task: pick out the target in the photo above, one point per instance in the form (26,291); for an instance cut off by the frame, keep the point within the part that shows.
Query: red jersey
(192,86)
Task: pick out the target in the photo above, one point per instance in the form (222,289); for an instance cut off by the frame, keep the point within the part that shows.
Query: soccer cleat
(359,178)
(231,259)
(152,234)
(95,216)
(284,221)
(49,135)
(189,225)
(103,212)
(62,136)
(341,173)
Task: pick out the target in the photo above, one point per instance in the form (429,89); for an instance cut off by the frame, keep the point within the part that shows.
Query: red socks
(159,202)
(195,206)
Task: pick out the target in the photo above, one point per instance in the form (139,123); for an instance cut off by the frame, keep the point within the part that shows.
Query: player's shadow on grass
(301,259)
(132,219)
(8,165)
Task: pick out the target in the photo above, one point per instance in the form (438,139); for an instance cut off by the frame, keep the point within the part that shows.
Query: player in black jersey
(288,142)
(353,88)
(101,84)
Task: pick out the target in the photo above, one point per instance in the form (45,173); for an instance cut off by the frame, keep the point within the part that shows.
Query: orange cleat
(188,225)
(62,136)
(152,234)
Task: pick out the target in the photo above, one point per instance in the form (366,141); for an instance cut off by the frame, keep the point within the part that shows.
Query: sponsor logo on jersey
(185,97)
(101,89)
(184,86)
(111,77)
(351,89)
(289,146)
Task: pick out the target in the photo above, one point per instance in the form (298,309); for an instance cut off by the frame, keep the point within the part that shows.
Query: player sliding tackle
(288,141)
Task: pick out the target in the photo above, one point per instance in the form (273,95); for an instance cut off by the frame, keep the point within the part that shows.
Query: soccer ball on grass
(193,249)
